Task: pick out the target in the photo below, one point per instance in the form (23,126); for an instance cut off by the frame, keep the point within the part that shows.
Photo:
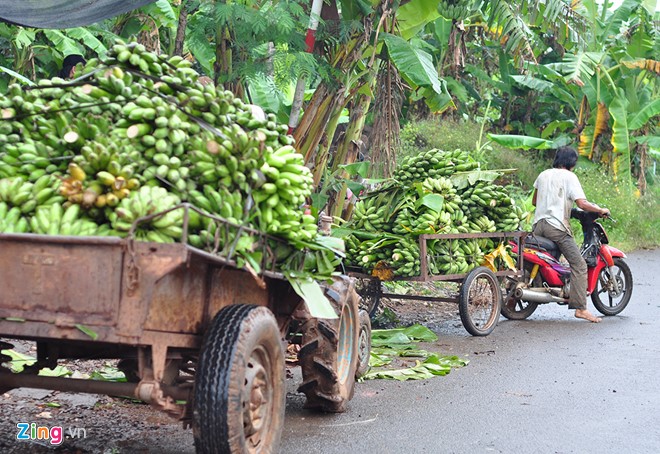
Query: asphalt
(549,384)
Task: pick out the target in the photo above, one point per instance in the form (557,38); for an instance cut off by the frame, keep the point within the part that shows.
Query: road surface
(549,384)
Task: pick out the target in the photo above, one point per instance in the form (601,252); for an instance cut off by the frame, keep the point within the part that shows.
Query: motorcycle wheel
(606,300)
(516,309)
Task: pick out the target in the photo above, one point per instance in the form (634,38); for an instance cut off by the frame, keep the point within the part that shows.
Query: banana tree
(616,73)
(36,53)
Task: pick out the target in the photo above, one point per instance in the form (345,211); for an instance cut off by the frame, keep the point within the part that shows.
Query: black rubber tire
(480,293)
(370,291)
(239,394)
(329,353)
(364,345)
(516,309)
(624,279)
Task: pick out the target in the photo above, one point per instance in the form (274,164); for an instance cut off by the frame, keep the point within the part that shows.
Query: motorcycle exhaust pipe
(534,296)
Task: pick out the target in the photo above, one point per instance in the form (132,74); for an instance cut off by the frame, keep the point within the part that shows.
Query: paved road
(550,384)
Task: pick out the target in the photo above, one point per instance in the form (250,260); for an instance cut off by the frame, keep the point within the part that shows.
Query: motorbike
(547,280)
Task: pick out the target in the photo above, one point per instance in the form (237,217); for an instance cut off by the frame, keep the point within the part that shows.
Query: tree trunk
(181,29)
(309,132)
(348,149)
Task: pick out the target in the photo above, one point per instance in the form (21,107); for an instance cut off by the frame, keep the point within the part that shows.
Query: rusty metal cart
(480,293)
(197,337)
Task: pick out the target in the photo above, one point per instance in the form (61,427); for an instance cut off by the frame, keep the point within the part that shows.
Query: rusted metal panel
(177,300)
(60,282)
(230,286)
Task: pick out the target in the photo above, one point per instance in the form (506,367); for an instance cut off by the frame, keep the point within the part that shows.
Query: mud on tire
(239,392)
(329,353)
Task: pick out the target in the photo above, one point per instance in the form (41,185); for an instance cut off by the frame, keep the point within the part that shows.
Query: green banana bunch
(455,9)
(12,220)
(27,196)
(144,202)
(433,163)
(370,216)
(57,220)
(405,259)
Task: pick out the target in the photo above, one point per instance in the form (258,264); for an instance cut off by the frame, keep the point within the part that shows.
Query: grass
(638,218)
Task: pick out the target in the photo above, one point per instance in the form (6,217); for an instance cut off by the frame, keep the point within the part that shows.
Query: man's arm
(534,197)
(585,205)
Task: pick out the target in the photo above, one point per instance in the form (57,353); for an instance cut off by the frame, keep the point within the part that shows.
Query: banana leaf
(524,142)
(590,134)
(562,125)
(413,333)
(652,141)
(64,44)
(414,15)
(643,63)
(415,65)
(84,36)
(533,83)
(644,115)
(620,141)
(18,77)
(310,291)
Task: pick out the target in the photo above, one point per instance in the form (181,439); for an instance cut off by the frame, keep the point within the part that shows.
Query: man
(69,65)
(555,191)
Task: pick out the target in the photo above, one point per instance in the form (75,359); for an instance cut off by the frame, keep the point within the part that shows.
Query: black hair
(566,158)
(69,62)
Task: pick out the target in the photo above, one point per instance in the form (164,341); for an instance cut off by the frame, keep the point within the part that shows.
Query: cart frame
(372,292)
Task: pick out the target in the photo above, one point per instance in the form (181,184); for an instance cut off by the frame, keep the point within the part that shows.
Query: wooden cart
(480,293)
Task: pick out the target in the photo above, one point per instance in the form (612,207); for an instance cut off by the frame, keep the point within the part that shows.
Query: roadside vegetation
(637,216)
(411,76)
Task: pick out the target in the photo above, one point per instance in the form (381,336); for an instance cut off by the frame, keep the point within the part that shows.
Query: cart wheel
(479,301)
(370,291)
(364,345)
(329,353)
(239,394)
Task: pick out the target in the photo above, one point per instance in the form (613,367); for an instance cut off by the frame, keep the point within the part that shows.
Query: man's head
(69,63)
(566,158)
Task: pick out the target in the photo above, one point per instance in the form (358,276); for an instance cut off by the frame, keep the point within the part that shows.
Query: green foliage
(638,218)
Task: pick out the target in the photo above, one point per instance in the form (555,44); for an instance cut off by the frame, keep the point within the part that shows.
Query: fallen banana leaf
(108,373)
(59,371)
(18,360)
(414,333)
(389,344)
(88,331)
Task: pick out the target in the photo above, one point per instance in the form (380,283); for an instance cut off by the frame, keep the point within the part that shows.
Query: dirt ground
(116,425)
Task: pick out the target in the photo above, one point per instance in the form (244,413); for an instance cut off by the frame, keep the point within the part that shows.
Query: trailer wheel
(480,301)
(239,394)
(329,353)
(370,290)
(364,344)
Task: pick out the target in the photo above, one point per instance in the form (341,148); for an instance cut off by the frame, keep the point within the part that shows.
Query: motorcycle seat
(543,244)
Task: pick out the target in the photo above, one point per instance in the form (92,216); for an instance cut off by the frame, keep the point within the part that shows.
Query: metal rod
(452,236)
(419,297)
(11,380)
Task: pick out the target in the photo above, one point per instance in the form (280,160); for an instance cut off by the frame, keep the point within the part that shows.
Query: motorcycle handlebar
(581,215)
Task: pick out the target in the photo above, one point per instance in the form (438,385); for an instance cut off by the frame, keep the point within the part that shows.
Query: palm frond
(514,33)
(579,67)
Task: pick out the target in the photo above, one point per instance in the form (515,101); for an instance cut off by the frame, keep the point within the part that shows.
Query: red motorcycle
(547,280)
